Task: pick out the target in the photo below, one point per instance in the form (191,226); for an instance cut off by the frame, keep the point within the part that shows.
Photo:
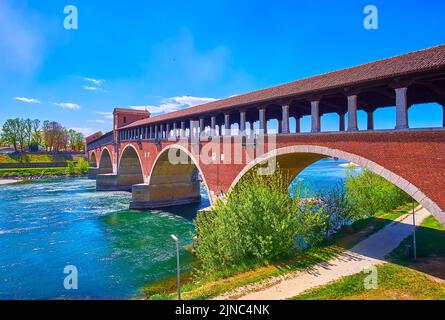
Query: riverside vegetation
(263,229)
(80,167)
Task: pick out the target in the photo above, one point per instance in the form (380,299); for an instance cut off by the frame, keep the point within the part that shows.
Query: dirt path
(370,251)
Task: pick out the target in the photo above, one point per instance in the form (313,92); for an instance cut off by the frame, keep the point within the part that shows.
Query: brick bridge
(164,159)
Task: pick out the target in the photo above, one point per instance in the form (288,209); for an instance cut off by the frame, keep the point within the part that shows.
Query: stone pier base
(92,173)
(112,182)
(145,197)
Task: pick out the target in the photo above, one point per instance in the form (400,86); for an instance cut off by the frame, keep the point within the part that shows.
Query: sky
(168,55)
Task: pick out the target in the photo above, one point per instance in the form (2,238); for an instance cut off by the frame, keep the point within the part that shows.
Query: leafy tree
(11,132)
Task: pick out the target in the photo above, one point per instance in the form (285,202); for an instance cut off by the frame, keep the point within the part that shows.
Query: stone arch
(175,183)
(130,170)
(105,162)
(303,156)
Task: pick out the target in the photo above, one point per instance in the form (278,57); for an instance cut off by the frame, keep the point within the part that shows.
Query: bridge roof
(425,60)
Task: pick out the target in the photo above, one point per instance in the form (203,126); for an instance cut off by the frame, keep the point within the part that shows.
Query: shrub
(83,166)
(70,168)
(368,194)
(257,222)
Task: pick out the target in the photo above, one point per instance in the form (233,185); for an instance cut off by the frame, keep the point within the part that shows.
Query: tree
(37,136)
(11,129)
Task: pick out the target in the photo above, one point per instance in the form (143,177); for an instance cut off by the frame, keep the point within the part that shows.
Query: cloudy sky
(168,55)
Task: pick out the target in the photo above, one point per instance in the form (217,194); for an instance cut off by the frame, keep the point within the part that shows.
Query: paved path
(370,251)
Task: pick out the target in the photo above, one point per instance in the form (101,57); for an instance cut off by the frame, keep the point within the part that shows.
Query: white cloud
(174,104)
(27,100)
(107,115)
(68,105)
(99,121)
(97,82)
(85,131)
(91,88)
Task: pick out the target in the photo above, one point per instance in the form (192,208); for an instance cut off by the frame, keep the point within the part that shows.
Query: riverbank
(221,284)
(9,181)
(39,173)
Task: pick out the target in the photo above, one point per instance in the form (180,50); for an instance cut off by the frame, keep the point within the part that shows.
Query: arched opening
(92,160)
(105,163)
(130,167)
(175,180)
(293,160)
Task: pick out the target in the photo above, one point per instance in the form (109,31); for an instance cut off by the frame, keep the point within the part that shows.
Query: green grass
(31,172)
(36,157)
(395,282)
(430,238)
(398,279)
(231,279)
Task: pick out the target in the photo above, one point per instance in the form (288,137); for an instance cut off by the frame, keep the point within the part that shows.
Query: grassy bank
(395,282)
(35,158)
(403,278)
(36,172)
(231,279)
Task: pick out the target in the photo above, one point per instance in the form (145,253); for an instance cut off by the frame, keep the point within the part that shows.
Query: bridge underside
(170,185)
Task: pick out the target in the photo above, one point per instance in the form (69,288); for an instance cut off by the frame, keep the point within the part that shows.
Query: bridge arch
(130,170)
(176,183)
(92,159)
(294,159)
(105,162)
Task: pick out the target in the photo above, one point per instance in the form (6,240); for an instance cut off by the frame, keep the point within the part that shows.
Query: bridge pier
(146,197)
(116,182)
(92,173)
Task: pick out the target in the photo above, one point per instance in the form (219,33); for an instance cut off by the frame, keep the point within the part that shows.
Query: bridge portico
(218,138)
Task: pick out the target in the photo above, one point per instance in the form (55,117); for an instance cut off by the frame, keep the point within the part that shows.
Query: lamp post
(177,265)
(414,232)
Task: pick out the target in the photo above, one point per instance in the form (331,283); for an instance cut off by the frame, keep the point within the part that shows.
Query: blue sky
(173,54)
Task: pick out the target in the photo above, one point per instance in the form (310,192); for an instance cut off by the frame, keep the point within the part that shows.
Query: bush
(83,166)
(258,222)
(70,168)
(369,194)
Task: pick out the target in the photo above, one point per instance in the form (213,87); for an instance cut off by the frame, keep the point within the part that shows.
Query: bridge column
(352,113)
(201,126)
(150,134)
(227,124)
(182,131)
(297,124)
(285,119)
(401,108)
(161,131)
(156,132)
(342,121)
(315,112)
(167,134)
(443,113)
(370,114)
(263,123)
(213,126)
(242,122)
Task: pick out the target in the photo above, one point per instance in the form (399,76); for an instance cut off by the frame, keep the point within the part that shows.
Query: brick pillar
(401,108)
(342,121)
(370,119)
(227,124)
(213,126)
(263,121)
(315,112)
(352,113)
(242,122)
(285,119)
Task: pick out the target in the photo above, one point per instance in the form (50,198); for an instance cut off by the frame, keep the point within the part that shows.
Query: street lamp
(177,265)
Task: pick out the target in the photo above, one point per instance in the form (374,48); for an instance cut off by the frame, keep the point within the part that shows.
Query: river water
(48,225)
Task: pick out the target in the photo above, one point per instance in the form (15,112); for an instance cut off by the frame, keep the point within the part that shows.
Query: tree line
(27,134)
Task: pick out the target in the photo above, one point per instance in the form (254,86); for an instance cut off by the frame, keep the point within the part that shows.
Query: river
(48,225)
